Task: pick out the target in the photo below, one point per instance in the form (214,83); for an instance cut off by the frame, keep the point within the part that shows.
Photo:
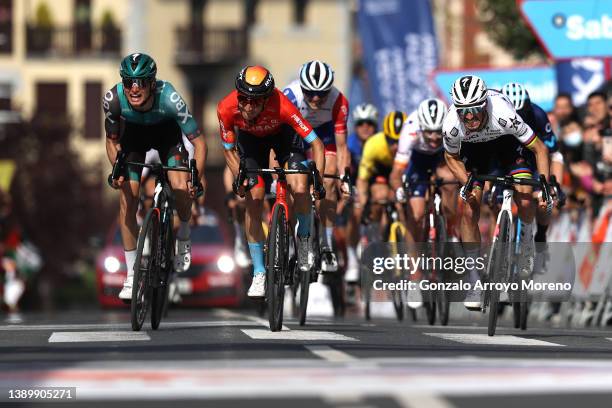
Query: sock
(183,231)
(540,235)
(329,232)
(257,256)
(473,274)
(130,260)
(351,252)
(303,229)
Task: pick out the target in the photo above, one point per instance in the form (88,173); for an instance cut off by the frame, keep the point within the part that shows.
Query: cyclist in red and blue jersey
(254,119)
(326,109)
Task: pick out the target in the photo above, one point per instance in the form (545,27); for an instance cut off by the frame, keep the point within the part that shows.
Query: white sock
(130,260)
(329,233)
(183,232)
(352,255)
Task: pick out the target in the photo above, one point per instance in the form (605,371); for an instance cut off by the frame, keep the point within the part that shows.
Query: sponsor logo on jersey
(299,122)
(502,122)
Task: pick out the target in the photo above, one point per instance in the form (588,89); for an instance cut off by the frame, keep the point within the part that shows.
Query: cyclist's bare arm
(318,154)
(232,160)
(395,179)
(457,167)
(344,158)
(541,153)
(112,147)
(200,152)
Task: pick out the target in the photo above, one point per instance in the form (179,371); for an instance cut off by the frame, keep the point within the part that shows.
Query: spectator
(567,127)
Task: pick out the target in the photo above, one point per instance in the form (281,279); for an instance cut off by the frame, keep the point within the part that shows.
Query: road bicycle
(281,264)
(153,268)
(436,238)
(301,286)
(501,257)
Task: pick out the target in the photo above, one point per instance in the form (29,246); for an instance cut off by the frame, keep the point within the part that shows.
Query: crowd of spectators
(585,138)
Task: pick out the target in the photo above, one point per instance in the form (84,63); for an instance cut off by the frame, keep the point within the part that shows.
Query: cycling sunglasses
(474,110)
(243,100)
(140,82)
(312,94)
(364,122)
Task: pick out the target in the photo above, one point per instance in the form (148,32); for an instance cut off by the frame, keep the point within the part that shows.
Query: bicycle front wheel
(145,267)
(441,252)
(499,264)
(159,298)
(277,263)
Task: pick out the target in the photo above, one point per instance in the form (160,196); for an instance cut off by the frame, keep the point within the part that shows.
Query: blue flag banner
(580,77)
(399,50)
(540,81)
(571,28)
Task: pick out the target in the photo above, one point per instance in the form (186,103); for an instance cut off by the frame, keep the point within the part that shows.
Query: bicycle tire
(396,296)
(499,260)
(159,295)
(523,315)
(516,314)
(276,264)
(305,277)
(442,296)
(144,267)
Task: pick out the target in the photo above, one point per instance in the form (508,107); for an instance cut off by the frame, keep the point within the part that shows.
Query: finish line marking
(330,354)
(500,340)
(301,335)
(79,337)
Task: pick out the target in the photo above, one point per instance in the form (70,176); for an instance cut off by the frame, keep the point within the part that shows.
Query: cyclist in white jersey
(420,154)
(482,129)
(326,109)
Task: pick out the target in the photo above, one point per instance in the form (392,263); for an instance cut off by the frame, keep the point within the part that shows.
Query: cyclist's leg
(255,152)
(419,170)
(327,210)
(129,201)
(449,193)
(379,191)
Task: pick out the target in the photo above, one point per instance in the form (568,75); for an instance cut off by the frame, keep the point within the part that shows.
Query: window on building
(52,99)
(5,97)
(93,110)
(6,26)
(299,11)
(250,12)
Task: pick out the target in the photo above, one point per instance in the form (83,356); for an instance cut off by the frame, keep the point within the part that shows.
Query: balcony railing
(196,45)
(74,41)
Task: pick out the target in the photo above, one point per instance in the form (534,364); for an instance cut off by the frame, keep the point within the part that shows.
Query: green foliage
(44,18)
(108,19)
(504,24)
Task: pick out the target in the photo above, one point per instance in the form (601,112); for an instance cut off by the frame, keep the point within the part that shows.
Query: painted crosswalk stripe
(302,335)
(77,337)
(330,354)
(500,340)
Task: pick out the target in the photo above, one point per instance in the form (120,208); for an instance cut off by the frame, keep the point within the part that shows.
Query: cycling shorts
(287,146)
(165,137)
(420,168)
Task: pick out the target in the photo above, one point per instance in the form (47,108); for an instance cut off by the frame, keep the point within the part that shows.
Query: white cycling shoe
(182,259)
(126,292)
(473,300)
(329,263)
(258,286)
(414,299)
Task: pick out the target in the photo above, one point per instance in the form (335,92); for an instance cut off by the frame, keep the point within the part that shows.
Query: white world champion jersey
(411,139)
(502,120)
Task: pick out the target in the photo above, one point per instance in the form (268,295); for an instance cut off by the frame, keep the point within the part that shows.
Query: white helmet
(365,112)
(517,94)
(316,76)
(469,91)
(431,113)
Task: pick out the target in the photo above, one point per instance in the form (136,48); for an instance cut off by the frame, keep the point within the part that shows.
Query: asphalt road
(229,358)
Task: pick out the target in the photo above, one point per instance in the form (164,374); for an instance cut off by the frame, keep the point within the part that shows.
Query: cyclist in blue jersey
(537,119)
(143,113)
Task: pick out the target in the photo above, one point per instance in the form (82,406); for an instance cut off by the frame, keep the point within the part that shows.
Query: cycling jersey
(328,120)
(537,119)
(377,157)
(502,120)
(278,111)
(167,106)
(411,140)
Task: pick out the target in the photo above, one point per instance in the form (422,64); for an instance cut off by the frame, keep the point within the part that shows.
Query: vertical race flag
(399,51)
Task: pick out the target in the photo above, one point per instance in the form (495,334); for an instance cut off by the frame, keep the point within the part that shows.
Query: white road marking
(499,340)
(330,354)
(308,335)
(421,400)
(78,337)
(126,326)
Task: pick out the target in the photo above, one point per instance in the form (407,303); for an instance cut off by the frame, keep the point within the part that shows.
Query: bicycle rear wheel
(159,298)
(145,267)
(441,251)
(305,276)
(277,263)
(499,262)
(398,303)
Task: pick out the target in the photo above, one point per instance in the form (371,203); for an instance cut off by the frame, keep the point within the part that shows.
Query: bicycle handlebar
(509,181)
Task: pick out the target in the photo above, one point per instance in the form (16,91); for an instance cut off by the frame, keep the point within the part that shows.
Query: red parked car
(212,280)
